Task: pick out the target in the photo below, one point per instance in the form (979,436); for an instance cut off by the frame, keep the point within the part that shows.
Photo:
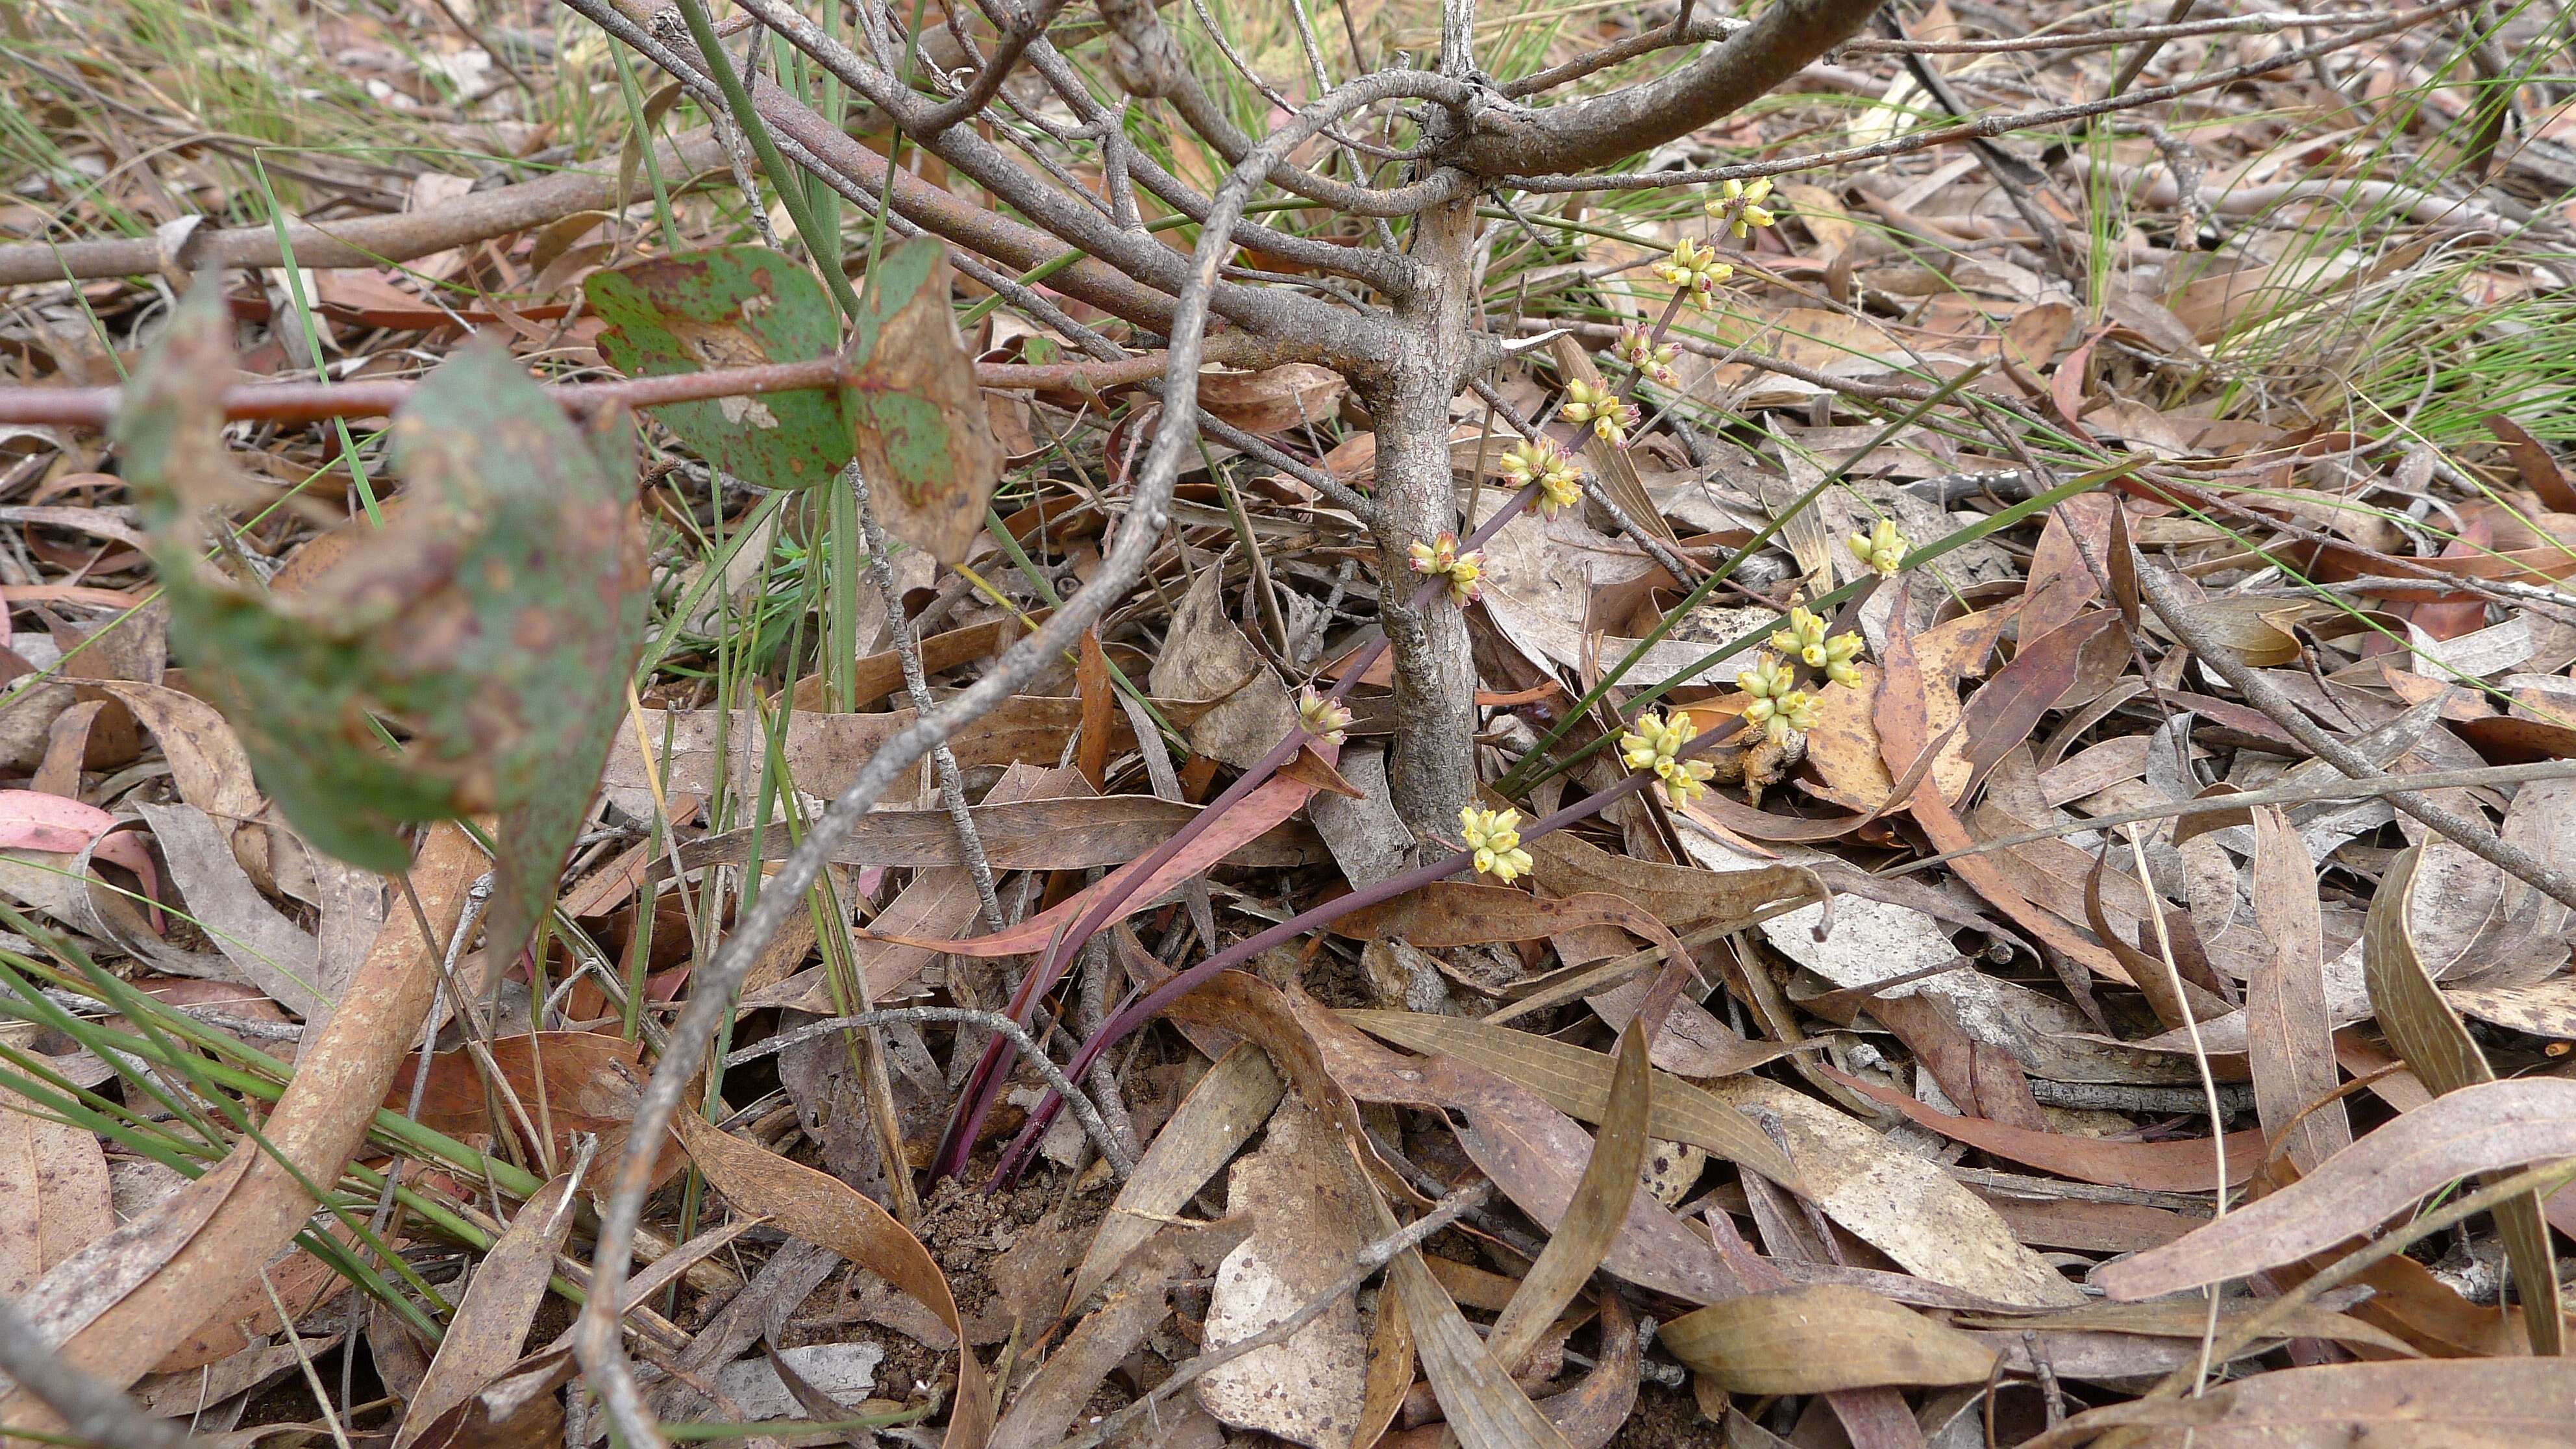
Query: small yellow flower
(1794,711)
(1883,548)
(1739,205)
(1805,637)
(1610,418)
(1322,718)
(1440,558)
(1766,678)
(1637,348)
(1840,651)
(1495,839)
(1559,477)
(1694,268)
(1656,744)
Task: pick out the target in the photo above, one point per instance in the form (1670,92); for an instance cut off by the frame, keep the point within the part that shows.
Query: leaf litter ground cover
(2010,865)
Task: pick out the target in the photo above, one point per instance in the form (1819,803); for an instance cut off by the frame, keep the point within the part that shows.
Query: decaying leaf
(1305,1230)
(924,439)
(487,628)
(731,307)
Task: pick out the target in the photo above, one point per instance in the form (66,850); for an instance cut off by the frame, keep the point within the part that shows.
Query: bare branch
(363,241)
(89,1407)
(1585,134)
(1983,127)
(2166,599)
(304,402)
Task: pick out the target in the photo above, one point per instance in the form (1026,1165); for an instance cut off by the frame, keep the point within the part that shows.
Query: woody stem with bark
(1430,764)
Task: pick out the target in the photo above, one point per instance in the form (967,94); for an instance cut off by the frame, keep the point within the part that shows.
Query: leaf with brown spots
(731,307)
(924,438)
(487,630)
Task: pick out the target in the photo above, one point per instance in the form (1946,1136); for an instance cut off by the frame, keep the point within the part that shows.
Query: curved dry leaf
(2289,1042)
(270,951)
(1583,1236)
(1218,1116)
(2456,1403)
(2548,1009)
(54,1194)
(2490,1127)
(819,1208)
(1465,913)
(1273,400)
(1484,1407)
(1821,1338)
(117,1306)
(1901,1204)
(1577,1082)
(483,1339)
(2445,1058)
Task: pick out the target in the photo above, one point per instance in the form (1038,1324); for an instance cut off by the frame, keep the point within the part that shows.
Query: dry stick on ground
(91,1408)
(362,242)
(2166,599)
(305,402)
(1092,1122)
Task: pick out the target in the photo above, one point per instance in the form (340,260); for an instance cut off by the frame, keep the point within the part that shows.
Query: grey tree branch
(1585,134)
(2170,606)
(90,1408)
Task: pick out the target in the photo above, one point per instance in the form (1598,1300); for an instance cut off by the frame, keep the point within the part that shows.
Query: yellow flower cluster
(1495,838)
(1779,706)
(1883,548)
(1322,718)
(1559,477)
(1805,637)
(1656,744)
(1610,418)
(1739,205)
(1694,268)
(1440,558)
(1637,348)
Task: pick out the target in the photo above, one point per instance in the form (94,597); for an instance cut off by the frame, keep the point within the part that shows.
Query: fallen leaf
(1308,1389)
(1816,1339)
(482,1341)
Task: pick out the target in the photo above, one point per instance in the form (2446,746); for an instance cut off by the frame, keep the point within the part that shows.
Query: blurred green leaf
(488,628)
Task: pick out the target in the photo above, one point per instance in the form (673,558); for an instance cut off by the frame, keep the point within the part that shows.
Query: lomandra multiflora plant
(1395,314)
(1033,113)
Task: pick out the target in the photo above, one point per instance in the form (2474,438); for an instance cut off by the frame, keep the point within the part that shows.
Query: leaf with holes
(731,307)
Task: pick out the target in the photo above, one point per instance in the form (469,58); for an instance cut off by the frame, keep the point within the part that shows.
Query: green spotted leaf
(725,308)
(487,628)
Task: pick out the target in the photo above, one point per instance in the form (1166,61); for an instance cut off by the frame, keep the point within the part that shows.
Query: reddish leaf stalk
(983,1087)
(1129,1018)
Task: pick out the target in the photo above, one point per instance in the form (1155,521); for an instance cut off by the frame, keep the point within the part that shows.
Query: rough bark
(1430,766)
